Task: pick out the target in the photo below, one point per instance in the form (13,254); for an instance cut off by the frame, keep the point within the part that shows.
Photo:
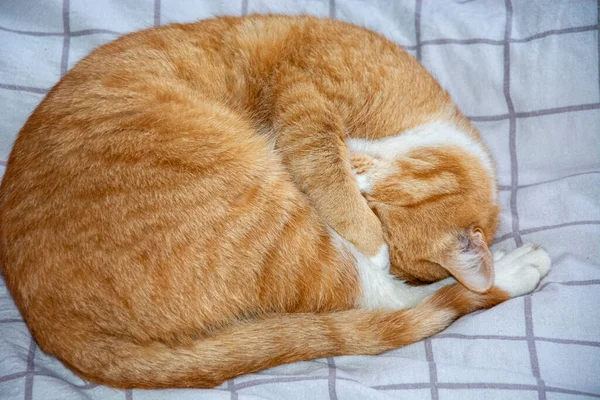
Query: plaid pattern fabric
(526,72)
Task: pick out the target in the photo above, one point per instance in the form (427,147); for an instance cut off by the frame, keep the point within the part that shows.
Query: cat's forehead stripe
(432,134)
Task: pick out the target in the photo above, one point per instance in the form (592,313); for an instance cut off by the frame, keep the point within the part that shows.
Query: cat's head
(438,206)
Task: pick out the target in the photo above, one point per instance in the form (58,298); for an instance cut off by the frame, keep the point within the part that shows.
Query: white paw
(364,182)
(520,271)
(382,259)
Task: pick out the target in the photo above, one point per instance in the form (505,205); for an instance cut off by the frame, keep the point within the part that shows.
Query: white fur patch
(520,271)
(432,134)
(382,169)
(364,182)
(379,289)
(382,259)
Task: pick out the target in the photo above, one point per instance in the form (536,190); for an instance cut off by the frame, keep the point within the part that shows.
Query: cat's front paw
(362,168)
(520,271)
(382,259)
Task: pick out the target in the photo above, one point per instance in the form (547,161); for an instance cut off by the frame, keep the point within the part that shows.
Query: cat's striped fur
(181,208)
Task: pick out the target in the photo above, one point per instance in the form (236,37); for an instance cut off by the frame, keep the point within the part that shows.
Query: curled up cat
(198,201)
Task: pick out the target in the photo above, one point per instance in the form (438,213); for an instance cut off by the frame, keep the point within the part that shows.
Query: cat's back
(141,172)
(243,62)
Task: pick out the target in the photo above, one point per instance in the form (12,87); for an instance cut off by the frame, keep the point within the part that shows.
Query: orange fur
(164,213)
(425,207)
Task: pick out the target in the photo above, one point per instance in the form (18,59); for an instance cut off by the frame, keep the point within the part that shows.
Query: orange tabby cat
(185,205)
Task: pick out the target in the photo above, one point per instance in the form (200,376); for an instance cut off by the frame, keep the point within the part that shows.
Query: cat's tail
(276,339)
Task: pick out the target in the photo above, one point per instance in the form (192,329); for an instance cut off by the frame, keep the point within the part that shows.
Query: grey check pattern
(526,72)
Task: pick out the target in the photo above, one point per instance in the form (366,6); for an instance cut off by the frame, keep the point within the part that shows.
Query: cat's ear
(471,263)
